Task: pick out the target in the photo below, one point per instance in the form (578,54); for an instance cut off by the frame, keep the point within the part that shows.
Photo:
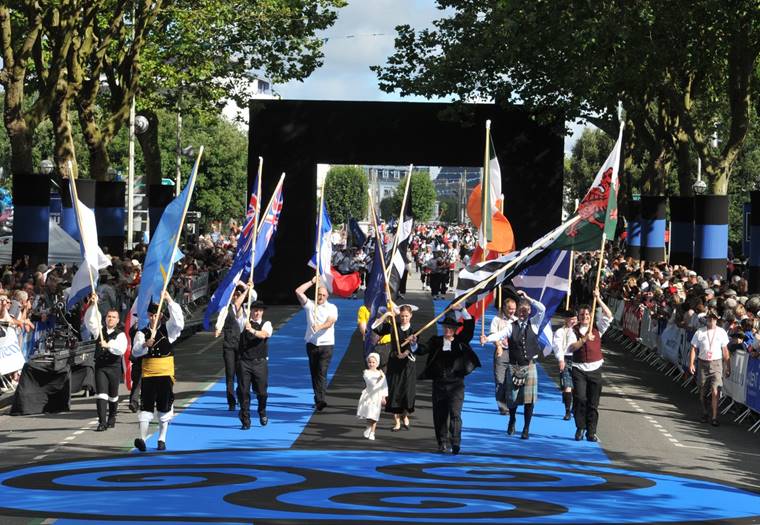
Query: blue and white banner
(735,385)
(753,384)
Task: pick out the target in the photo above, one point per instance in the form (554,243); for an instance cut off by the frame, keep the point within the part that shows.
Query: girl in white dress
(373,396)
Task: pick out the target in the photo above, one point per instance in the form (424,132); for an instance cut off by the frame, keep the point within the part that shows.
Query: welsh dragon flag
(596,215)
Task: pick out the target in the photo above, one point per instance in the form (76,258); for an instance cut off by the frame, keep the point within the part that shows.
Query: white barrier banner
(735,385)
(199,286)
(648,330)
(11,356)
(671,341)
(619,310)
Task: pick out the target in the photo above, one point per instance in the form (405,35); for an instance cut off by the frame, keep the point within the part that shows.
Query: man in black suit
(450,359)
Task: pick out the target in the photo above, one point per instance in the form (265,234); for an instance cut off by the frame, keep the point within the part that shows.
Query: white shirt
(174,327)
(266,326)
(324,311)
(710,343)
(498,324)
(92,321)
(560,342)
(602,324)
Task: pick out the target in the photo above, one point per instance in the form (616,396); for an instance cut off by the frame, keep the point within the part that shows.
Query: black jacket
(453,365)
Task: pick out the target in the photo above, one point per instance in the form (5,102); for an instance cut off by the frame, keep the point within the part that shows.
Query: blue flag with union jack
(241,265)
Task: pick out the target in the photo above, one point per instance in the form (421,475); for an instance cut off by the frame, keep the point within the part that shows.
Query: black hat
(450,320)
(152,308)
(566,314)
(258,304)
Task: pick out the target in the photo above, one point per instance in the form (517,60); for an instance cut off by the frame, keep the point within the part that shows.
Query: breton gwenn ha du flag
(596,215)
(397,266)
(162,255)
(94,258)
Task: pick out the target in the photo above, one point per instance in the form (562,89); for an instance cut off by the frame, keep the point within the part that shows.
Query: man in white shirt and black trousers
(710,345)
(320,337)
(109,349)
(585,345)
(253,363)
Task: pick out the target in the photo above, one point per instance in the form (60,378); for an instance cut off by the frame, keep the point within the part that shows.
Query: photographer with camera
(111,345)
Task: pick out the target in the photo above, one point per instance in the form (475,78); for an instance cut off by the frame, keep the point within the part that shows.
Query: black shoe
(101,427)
(567,416)
(591,437)
(395,429)
(245,426)
(263,420)
(511,428)
(455,449)
(503,412)
(442,449)
(525,434)
(133,408)
(578,434)
(705,418)
(231,407)
(715,423)
(161,445)
(321,406)
(140,445)
(111,422)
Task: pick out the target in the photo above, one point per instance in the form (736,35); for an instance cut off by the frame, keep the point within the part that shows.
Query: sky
(363,36)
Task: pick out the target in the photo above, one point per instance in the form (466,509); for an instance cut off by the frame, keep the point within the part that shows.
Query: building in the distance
(454,185)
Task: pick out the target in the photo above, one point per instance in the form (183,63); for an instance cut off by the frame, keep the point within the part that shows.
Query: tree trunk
(150,148)
(683,157)
(64,142)
(96,146)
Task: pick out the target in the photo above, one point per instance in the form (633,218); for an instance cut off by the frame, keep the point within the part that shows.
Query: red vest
(591,350)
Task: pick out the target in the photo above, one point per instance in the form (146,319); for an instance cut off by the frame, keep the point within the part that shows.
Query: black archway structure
(294,136)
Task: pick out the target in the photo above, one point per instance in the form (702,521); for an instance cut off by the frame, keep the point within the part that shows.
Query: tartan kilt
(528,393)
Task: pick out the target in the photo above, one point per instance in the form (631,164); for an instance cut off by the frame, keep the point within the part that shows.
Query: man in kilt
(523,348)
(560,342)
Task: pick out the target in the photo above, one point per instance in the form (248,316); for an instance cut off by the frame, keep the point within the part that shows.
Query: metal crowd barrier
(666,347)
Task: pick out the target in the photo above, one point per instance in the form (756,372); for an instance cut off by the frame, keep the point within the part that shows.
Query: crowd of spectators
(676,294)
(37,294)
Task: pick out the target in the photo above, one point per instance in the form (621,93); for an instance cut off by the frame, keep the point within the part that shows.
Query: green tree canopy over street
(686,75)
(423,197)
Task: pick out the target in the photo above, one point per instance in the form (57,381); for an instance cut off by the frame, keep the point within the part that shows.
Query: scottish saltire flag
(162,254)
(546,282)
(221,296)
(94,258)
(374,296)
(322,257)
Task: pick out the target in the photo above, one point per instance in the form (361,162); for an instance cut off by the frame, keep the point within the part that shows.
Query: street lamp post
(47,166)
(700,186)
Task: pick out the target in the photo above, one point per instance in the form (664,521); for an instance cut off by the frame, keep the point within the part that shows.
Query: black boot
(528,410)
(113,406)
(512,422)
(102,406)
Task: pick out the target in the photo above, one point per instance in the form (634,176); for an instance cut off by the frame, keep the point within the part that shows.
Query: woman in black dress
(401,373)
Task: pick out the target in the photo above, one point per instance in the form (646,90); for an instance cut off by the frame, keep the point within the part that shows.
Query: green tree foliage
(346,193)
(423,197)
(448,210)
(588,155)
(682,74)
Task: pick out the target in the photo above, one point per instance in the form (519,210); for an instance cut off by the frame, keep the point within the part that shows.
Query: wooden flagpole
(598,275)
(388,297)
(318,250)
(176,241)
(485,208)
(498,290)
(77,213)
(570,280)
(400,222)
(255,234)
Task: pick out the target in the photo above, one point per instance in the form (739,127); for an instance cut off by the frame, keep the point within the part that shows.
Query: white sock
(144,430)
(163,426)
